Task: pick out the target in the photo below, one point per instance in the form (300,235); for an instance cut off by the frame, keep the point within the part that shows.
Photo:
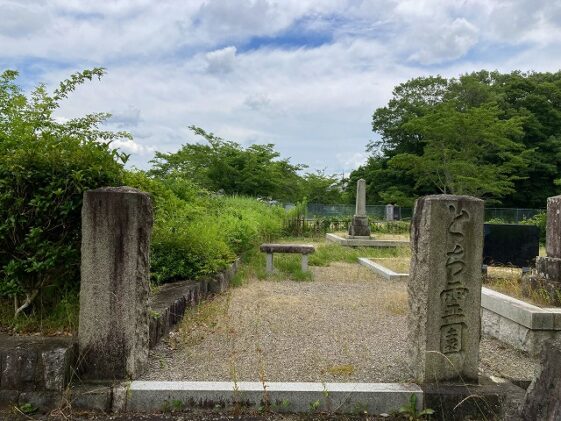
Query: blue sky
(305,75)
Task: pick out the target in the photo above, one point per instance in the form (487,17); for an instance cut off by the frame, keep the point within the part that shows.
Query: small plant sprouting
(27,408)
(360,408)
(410,410)
(314,405)
(175,405)
(154,314)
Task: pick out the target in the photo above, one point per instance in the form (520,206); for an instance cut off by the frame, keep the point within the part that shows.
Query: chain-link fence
(377,212)
(510,215)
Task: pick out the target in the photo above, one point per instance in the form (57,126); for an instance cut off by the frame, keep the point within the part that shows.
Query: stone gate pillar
(444,288)
(113,330)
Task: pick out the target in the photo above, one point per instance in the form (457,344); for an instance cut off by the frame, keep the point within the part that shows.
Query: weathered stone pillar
(389,212)
(359,226)
(360,198)
(445,288)
(113,331)
(547,275)
(549,267)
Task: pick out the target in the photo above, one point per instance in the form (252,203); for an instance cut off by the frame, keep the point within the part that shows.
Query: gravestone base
(359,228)
(534,282)
(488,398)
(549,268)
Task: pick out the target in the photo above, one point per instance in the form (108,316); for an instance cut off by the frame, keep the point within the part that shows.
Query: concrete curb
(375,398)
(357,242)
(383,271)
(528,315)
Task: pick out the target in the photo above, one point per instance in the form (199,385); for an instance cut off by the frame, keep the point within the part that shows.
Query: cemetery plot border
(366,242)
(522,325)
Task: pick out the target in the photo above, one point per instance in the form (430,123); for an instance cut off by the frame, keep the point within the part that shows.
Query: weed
(27,408)
(360,408)
(154,314)
(341,370)
(395,302)
(327,253)
(314,405)
(410,410)
(397,264)
(53,313)
(202,319)
(175,405)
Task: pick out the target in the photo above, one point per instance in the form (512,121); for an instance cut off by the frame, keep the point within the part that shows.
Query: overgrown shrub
(45,166)
(197,233)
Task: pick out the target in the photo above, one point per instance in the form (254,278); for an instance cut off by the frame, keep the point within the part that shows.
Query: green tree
(319,187)
(226,166)
(466,151)
(530,102)
(45,166)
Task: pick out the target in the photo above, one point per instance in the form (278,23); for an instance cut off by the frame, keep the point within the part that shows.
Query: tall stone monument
(445,288)
(113,331)
(549,268)
(359,226)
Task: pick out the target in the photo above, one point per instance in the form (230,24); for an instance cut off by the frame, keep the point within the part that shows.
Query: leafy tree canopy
(492,135)
(221,165)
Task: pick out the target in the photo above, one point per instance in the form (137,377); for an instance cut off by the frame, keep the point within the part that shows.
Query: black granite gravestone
(510,244)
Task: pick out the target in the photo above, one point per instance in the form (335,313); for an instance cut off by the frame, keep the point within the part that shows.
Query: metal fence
(318,210)
(377,212)
(510,215)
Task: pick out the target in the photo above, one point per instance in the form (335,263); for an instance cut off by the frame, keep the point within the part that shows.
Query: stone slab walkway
(347,325)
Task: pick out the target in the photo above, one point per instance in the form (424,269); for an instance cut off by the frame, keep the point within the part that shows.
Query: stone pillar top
(553,230)
(120,189)
(450,197)
(361,197)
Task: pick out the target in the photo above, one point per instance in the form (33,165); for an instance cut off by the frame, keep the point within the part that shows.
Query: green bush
(540,220)
(197,233)
(45,166)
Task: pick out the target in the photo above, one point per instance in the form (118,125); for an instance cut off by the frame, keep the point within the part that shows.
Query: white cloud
(444,43)
(128,145)
(172,64)
(22,19)
(221,61)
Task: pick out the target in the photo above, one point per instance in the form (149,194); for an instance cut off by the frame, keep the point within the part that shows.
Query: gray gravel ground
(346,325)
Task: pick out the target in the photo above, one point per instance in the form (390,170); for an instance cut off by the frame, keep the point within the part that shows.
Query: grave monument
(444,288)
(360,227)
(547,275)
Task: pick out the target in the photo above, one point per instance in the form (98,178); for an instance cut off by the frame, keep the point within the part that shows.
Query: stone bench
(303,249)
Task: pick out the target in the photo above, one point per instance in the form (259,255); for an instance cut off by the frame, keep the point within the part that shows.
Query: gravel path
(347,325)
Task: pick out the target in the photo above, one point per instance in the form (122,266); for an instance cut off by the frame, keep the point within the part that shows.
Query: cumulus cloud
(447,42)
(128,145)
(257,101)
(172,64)
(221,61)
(22,19)
(125,119)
